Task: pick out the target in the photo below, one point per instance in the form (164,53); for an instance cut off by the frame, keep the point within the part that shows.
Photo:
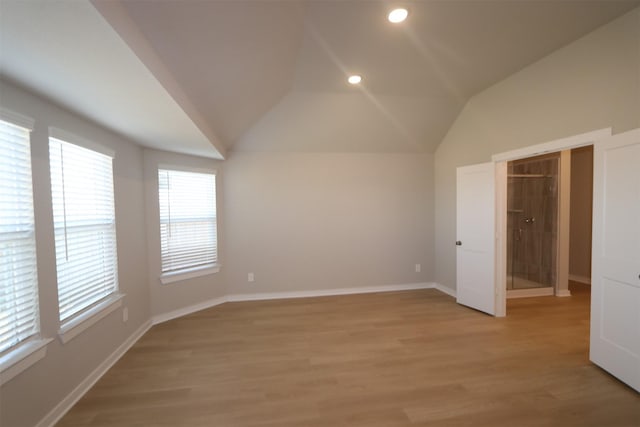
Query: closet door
(615,292)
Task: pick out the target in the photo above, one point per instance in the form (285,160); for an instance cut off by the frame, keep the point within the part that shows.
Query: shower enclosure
(532,226)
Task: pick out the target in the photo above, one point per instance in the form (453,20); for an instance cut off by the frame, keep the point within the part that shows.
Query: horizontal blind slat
(19,317)
(84,221)
(188,231)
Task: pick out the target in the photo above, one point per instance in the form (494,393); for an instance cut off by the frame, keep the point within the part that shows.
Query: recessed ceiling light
(398,15)
(354,79)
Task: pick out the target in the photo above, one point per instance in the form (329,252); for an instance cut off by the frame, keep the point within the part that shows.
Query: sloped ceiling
(67,52)
(271,75)
(234,59)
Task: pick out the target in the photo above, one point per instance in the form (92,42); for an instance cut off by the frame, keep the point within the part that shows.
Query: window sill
(22,358)
(191,273)
(74,327)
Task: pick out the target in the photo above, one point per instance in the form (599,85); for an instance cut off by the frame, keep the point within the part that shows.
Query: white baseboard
(294,294)
(160,318)
(329,292)
(563,293)
(445,289)
(581,279)
(67,403)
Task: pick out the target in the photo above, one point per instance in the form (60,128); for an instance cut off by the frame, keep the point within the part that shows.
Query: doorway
(532,226)
(501,170)
(546,250)
(615,291)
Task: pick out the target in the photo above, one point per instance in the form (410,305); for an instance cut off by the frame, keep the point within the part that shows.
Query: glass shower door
(532,222)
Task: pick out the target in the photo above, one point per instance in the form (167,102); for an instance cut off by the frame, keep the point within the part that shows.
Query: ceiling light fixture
(354,79)
(398,15)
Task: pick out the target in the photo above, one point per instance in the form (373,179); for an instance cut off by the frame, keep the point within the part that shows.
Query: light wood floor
(411,358)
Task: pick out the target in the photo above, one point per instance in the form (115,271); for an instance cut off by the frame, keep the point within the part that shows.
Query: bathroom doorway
(545,248)
(532,225)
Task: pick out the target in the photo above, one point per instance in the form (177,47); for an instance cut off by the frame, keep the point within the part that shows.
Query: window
(188,230)
(84,222)
(19,318)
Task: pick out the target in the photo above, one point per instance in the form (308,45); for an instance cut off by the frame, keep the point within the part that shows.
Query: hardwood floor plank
(412,358)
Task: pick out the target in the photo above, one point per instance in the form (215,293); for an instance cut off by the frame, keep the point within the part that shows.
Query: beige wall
(178,295)
(322,221)
(28,397)
(590,84)
(313,221)
(581,212)
(299,222)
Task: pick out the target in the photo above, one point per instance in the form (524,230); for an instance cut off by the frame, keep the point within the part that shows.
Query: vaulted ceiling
(271,75)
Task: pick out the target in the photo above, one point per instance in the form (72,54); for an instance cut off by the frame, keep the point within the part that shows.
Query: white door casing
(615,290)
(475,222)
(501,159)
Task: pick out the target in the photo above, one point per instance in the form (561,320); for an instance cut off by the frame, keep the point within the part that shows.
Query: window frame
(25,353)
(197,271)
(86,317)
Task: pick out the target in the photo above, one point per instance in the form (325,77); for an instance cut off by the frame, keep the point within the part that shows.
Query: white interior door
(475,259)
(615,291)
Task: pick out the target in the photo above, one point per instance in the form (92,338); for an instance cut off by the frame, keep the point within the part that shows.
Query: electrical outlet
(418,268)
(250,277)
(125,314)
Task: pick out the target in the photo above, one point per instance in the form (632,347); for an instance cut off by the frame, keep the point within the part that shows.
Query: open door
(475,259)
(615,291)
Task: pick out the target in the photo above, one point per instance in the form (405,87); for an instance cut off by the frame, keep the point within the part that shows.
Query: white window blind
(188,229)
(84,221)
(19,318)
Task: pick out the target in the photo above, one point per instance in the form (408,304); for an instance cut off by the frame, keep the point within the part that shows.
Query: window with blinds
(84,221)
(188,229)
(19,318)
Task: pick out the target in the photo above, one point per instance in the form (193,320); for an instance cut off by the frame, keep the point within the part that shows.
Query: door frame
(500,160)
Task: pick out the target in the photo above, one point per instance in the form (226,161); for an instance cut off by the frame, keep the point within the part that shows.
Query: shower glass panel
(532,222)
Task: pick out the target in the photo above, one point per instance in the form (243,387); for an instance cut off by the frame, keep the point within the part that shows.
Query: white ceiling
(66,51)
(271,75)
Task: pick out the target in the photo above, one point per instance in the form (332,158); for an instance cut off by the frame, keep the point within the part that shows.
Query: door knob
(458,243)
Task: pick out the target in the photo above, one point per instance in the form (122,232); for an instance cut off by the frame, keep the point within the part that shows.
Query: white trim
(183,168)
(580,279)
(329,292)
(500,225)
(74,327)
(574,141)
(67,403)
(71,138)
(160,318)
(188,273)
(22,358)
(445,289)
(557,145)
(563,197)
(563,293)
(17,119)
(532,292)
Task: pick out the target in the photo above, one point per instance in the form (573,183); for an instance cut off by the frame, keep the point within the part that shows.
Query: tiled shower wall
(532,246)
